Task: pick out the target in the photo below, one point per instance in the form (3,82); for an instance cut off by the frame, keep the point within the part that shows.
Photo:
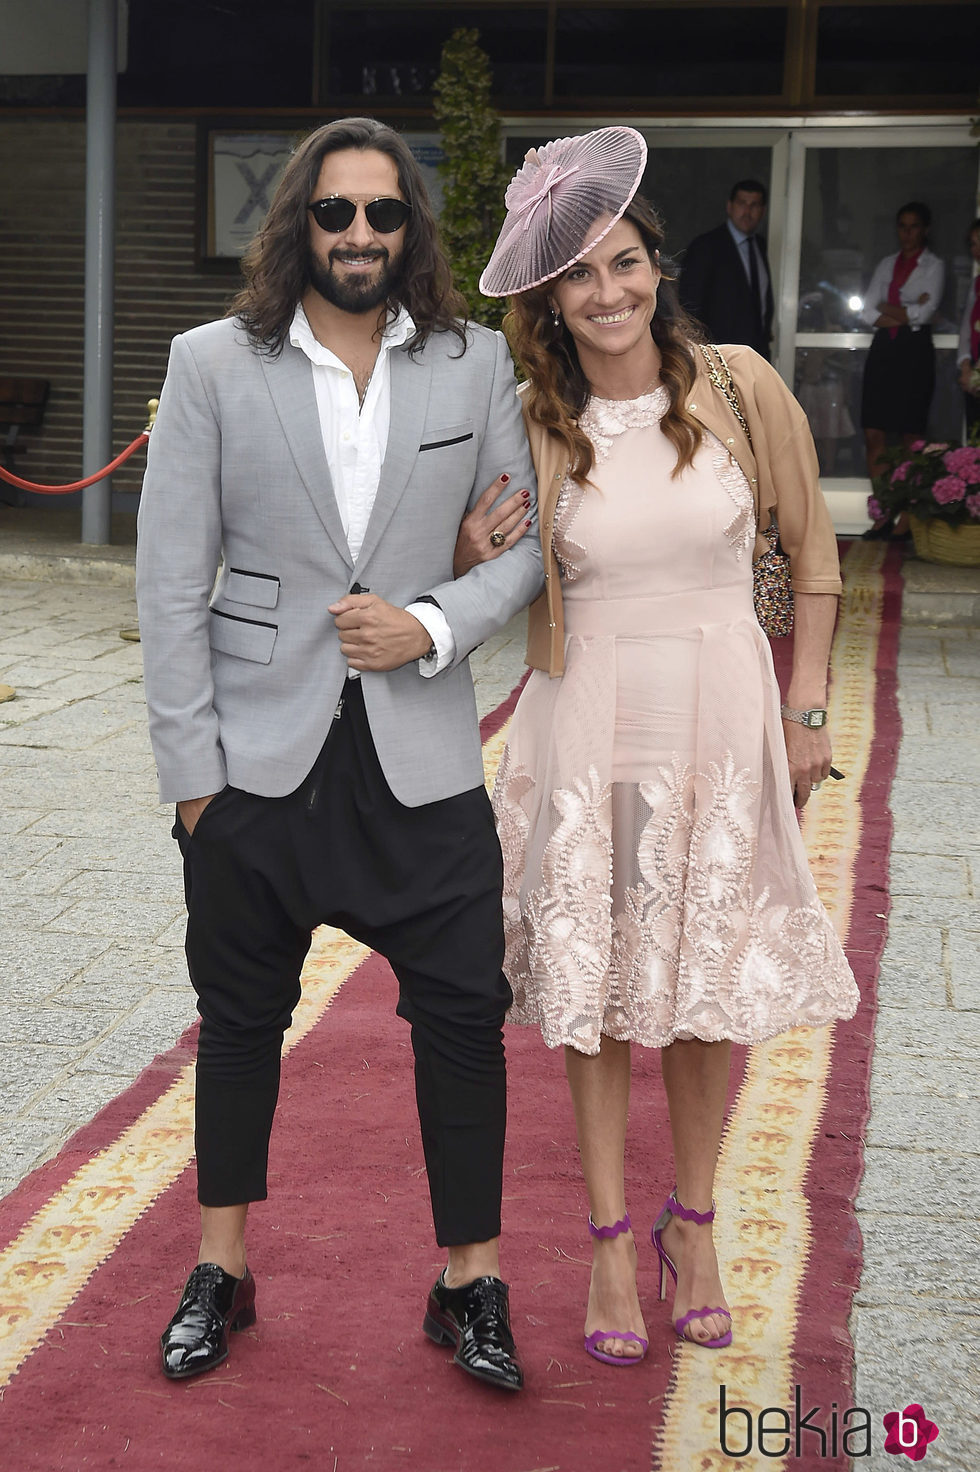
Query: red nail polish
(504,478)
(526,497)
(527,523)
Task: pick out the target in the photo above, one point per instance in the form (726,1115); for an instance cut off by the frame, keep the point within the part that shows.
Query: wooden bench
(22,402)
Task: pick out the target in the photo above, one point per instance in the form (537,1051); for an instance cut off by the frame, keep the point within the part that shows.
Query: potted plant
(938,484)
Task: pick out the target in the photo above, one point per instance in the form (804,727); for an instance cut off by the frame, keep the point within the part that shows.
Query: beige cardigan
(781,468)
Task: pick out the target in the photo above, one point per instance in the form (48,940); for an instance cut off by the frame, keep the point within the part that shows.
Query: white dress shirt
(355,438)
(927,276)
(742,241)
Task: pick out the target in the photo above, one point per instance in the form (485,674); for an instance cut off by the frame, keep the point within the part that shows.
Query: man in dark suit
(725,279)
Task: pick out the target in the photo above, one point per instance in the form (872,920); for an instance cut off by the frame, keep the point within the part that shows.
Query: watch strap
(805,717)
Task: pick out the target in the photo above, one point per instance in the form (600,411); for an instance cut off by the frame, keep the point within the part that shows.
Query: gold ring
(497,539)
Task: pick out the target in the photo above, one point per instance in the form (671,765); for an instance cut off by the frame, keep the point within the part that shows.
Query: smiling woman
(656,888)
(607,301)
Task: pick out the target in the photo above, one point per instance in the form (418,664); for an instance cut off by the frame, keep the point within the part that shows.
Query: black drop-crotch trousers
(420,885)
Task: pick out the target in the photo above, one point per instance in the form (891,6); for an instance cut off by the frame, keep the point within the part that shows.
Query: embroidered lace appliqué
(604,419)
(567,551)
(740,531)
(696,947)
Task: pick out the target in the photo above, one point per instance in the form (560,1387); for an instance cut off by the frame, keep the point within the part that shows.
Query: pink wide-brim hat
(561,202)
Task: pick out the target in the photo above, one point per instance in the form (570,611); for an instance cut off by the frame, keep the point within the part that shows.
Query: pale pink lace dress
(656,884)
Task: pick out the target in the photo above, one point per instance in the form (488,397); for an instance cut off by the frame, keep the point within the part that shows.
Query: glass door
(844,187)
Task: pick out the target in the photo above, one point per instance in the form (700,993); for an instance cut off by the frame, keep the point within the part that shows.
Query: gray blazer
(243,674)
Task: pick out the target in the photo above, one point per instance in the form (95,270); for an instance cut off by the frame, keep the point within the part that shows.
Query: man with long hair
(312,711)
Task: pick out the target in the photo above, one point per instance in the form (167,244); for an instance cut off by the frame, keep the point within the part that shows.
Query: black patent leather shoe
(213,1303)
(476,1320)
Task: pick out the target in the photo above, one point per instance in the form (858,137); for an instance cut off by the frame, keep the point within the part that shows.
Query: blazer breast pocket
(245,638)
(445,439)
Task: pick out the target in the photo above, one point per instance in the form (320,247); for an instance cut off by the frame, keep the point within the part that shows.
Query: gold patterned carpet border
(764,1233)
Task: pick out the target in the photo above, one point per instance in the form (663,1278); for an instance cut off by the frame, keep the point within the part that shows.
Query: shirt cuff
(436,625)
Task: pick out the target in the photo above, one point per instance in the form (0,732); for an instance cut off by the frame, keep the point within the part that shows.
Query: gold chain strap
(721,376)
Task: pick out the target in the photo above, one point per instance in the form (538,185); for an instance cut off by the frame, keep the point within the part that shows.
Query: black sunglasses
(383,215)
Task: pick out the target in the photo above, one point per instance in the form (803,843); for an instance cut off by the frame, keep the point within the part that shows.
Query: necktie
(754,277)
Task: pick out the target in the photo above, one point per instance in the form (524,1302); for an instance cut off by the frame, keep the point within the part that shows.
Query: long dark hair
(559,390)
(275,264)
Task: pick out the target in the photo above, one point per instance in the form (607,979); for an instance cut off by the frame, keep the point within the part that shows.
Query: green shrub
(474,173)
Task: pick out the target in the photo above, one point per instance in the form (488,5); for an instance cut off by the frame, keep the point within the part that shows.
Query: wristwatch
(812,718)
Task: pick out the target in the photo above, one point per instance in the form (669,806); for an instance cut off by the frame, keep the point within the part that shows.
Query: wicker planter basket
(937,541)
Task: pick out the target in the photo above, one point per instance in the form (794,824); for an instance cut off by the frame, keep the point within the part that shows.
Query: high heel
(598,1335)
(672,1207)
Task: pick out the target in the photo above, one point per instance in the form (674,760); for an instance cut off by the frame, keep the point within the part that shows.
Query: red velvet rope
(76,485)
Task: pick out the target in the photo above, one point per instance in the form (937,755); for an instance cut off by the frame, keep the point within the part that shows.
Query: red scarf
(975,322)
(904,266)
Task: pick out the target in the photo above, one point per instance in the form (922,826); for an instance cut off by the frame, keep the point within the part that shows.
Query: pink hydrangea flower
(948,489)
(901,471)
(964,462)
(917,445)
(875,509)
(973,505)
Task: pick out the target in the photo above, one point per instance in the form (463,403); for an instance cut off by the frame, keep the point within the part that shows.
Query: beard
(356,294)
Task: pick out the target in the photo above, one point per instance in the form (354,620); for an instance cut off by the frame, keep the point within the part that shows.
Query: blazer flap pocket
(441,439)
(247,638)
(260,589)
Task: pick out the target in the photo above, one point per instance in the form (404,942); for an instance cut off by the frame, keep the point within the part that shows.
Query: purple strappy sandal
(672,1207)
(591,1340)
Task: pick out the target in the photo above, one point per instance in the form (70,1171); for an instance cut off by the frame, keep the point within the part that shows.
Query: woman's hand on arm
(505,522)
(808,752)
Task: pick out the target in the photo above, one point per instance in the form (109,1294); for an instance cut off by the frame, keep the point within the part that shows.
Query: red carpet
(336,1374)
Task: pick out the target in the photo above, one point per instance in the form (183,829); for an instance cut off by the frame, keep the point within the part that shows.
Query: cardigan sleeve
(788,472)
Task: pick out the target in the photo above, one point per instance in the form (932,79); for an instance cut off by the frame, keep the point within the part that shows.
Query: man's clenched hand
(375,635)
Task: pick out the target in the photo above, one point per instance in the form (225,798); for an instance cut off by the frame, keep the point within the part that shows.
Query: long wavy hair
(275,268)
(559,390)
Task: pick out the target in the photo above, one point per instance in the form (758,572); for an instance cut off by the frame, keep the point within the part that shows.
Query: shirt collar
(739,236)
(399,328)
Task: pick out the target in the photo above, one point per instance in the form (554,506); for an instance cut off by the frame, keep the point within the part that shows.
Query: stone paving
(917,1306)
(93,983)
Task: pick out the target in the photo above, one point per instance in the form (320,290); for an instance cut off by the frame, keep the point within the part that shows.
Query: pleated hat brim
(562,201)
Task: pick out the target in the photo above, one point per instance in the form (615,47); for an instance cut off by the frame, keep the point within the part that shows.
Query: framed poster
(240,169)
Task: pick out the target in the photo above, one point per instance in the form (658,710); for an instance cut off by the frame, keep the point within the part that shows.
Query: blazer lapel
(290,383)
(410,380)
